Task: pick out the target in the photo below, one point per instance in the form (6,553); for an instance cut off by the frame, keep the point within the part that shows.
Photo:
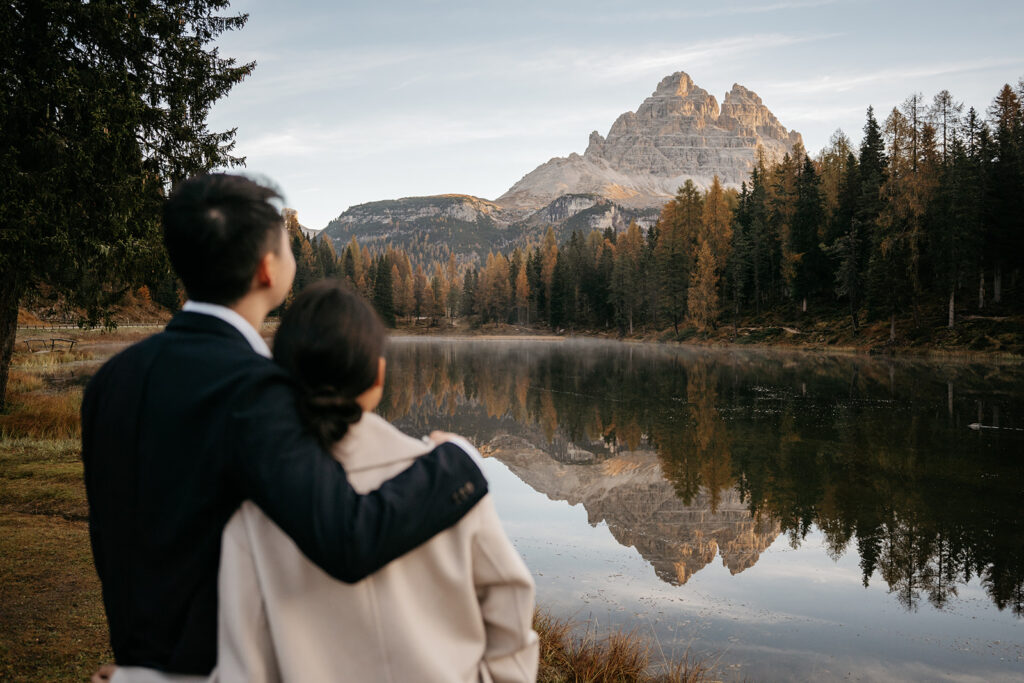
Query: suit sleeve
(281,468)
(505,589)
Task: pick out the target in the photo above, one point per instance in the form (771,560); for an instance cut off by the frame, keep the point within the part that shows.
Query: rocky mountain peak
(678,83)
(677,134)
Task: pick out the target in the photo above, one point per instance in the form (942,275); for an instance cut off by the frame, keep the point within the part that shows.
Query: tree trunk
(981,288)
(803,306)
(853,314)
(892,326)
(997,283)
(952,293)
(10,296)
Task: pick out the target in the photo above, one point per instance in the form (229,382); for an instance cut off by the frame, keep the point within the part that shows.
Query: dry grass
(19,382)
(47,359)
(617,657)
(40,415)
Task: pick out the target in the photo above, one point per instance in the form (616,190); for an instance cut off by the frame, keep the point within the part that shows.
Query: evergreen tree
(104,107)
(383,291)
(1006,187)
(739,266)
(954,220)
(806,235)
(763,241)
(468,299)
(678,226)
(846,248)
(782,204)
(625,276)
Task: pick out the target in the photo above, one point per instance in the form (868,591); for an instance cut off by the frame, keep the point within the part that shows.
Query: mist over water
(803,516)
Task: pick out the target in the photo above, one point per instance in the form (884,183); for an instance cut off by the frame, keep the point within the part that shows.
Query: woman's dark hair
(217,228)
(330,340)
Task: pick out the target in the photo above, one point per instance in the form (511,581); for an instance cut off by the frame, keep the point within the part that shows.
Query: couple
(230,544)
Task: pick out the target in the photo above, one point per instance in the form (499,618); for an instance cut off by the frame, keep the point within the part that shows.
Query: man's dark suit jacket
(177,431)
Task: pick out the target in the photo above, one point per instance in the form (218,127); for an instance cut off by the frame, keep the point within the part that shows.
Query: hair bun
(329,414)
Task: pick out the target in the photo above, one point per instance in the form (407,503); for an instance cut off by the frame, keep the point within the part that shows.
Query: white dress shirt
(232,318)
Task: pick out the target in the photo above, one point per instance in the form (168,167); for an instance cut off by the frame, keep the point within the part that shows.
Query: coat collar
(185,321)
(374,442)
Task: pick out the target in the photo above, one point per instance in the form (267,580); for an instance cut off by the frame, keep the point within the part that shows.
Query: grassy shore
(52,626)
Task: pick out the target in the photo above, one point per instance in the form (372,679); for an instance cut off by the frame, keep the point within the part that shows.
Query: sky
(353,102)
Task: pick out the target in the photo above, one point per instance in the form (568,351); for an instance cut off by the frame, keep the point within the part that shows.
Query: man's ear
(381,367)
(264,270)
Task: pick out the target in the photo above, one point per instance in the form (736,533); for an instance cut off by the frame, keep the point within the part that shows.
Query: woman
(458,608)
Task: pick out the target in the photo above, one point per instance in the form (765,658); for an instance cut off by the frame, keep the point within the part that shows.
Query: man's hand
(103,674)
(439,437)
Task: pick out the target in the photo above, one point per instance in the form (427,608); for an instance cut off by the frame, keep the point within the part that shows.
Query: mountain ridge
(679,133)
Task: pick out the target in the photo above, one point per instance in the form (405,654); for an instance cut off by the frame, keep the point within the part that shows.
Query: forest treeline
(923,221)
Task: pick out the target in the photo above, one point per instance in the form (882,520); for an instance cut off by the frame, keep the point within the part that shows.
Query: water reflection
(690,454)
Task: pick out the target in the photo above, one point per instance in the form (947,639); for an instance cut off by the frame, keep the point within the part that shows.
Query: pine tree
(383,291)
(104,106)
(846,247)
(739,266)
(625,273)
(678,226)
(806,235)
(469,294)
(548,258)
(1006,186)
(954,220)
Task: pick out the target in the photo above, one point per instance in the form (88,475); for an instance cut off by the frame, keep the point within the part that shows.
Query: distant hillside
(471,227)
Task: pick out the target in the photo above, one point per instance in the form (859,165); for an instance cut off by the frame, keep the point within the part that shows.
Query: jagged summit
(678,133)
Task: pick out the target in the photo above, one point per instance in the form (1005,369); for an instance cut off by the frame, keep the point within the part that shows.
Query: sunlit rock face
(630,493)
(678,134)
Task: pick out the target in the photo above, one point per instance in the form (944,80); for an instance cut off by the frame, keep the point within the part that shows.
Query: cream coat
(458,608)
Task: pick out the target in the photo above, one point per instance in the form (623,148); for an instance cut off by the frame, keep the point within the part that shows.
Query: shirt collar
(232,318)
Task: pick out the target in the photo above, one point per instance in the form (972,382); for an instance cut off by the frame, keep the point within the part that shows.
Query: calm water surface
(794,516)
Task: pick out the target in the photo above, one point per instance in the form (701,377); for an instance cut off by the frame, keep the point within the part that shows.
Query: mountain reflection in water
(688,454)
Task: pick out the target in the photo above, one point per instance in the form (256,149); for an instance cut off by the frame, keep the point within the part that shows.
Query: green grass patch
(42,477)
(54,628)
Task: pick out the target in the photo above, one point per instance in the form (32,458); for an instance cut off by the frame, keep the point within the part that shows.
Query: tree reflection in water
(876,454)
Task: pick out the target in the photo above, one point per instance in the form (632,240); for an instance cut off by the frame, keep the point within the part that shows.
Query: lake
(793,516)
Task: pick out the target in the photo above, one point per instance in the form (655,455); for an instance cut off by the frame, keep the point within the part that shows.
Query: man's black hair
(217,228)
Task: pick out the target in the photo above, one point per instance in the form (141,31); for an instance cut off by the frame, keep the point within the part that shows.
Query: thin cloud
(637,15)
(849,82)
(379,137)
(633,63)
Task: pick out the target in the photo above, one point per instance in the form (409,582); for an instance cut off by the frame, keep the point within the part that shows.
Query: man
(179,429)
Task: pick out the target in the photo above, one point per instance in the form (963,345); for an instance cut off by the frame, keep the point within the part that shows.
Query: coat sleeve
(277,464)
(245,648)
(505,589)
